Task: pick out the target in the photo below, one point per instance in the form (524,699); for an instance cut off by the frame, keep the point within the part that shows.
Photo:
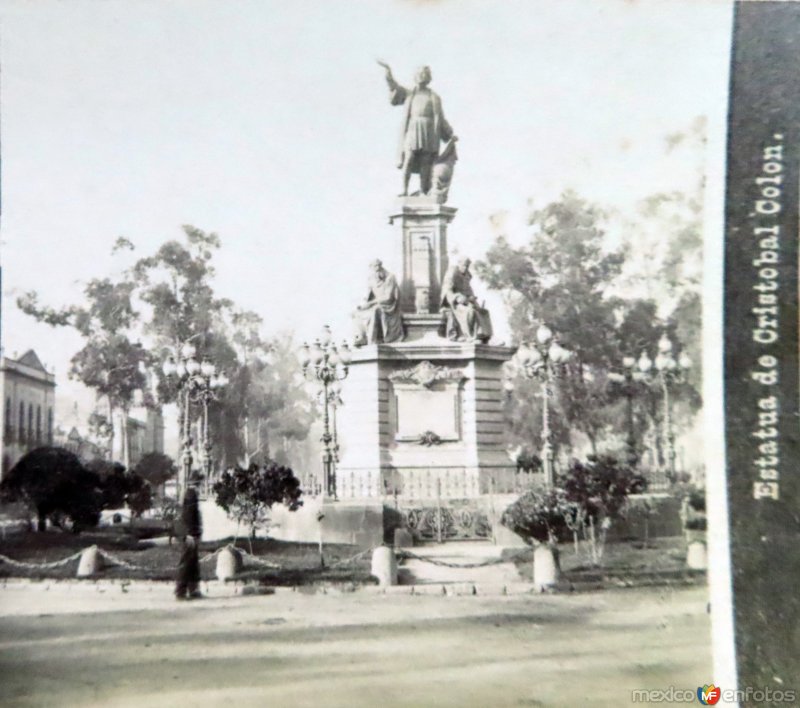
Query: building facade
(28,392)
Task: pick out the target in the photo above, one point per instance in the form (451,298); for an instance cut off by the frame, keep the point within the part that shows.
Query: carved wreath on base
(429,438)
(426,374)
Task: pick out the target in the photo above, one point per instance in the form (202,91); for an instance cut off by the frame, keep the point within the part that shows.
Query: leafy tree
(561,277)
(110,362)
(121,488)
(264,394)
(139,496)
(599,489)
(114,482)
(53,483)
(156,468)
(248,494)
(175,286)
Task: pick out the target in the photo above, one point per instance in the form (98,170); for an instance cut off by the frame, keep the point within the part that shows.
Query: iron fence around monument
(434,482)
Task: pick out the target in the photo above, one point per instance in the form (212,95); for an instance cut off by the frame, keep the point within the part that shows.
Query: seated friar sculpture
(463,319)
(378,318)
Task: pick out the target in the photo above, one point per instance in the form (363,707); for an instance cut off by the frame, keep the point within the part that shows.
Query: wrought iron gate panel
(451,520)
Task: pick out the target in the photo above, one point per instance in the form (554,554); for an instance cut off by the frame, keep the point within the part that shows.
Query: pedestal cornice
(415,351)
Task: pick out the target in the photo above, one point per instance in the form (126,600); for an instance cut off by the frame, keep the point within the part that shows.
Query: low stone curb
(232,588)
(217,588)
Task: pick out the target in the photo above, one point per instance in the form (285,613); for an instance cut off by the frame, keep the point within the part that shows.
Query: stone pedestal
(424,421)
(423,226)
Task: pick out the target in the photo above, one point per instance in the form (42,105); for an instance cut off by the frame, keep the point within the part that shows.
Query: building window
(8,427)
(38,425)
(50,425)
(30,422)
(21,422)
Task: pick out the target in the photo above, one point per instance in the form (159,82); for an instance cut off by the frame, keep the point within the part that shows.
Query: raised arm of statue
(397,93)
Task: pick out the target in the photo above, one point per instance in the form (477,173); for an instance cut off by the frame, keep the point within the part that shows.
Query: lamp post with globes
(628,380)
(197,381)
(328,365)
(667,371)
(544,360)
(335,399)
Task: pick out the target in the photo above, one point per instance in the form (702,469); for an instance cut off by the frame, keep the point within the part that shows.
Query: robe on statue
(464,319)
(424,124)
(379,319)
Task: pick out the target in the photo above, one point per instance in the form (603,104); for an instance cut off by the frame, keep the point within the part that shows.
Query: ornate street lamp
(328,365)
(544,360)
(668,371)
(198,381)
(628,380)
(335,400)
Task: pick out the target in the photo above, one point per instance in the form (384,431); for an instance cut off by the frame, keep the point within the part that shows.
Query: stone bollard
(545,568)
(697,556)
(229,563)
(384,566)
(403,538)
(91,562)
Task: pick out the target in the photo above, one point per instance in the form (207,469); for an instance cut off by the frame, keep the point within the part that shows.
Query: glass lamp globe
(558,354)
(168,367)
(207,368)
(188,350)
(664,344)
(523,354)
(325,336)
(645,364)
(628,362)
(345,353)
(316,353)
(544,334)
(192,366)
(685,361)
(305,355)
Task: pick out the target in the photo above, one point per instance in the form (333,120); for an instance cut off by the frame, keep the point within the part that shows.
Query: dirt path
(69,647)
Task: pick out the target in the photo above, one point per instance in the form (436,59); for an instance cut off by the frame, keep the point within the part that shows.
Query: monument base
(357,522)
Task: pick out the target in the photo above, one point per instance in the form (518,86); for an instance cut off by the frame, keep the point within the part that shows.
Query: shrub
(53,483)
(539,516)
(599,489)
(247,494)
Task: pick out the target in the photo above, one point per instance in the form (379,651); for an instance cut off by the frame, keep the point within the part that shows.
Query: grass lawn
(298,563)
(623,563)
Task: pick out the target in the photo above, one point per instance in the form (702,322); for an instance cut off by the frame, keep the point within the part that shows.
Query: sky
(269,123)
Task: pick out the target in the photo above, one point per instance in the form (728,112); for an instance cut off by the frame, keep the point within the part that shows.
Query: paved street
(64,644)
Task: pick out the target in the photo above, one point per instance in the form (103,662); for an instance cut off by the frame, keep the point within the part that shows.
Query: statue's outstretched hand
(389,76)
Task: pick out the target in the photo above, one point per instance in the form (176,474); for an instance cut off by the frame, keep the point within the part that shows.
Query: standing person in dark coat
(190,530)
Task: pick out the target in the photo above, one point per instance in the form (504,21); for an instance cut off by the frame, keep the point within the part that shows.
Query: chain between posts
(492,561)
(34,566)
